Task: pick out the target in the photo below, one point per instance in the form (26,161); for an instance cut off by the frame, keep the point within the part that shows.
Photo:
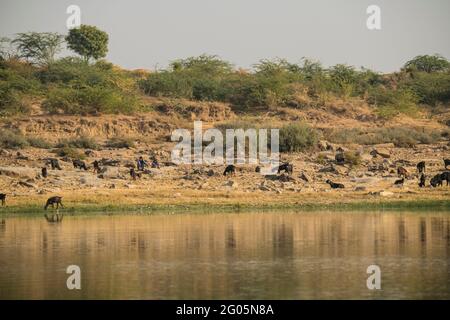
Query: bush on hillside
(297,137)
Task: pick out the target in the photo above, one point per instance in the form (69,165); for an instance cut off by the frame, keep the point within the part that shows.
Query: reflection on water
(228,256)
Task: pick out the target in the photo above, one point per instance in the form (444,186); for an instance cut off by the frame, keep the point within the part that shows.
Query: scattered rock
(304,177)
(19,172)
(381,153)
(231,183)
(328,169)
(89,153)
(27,184)
(110,172)
(20,156)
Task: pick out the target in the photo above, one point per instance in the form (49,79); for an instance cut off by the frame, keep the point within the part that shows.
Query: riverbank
(32,206)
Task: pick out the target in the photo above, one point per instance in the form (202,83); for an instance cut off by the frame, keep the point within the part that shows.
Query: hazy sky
(150,33)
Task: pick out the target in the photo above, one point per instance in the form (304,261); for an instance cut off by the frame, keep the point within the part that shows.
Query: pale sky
(151,33)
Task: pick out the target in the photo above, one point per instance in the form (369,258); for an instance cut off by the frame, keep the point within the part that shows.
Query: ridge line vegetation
(31,74)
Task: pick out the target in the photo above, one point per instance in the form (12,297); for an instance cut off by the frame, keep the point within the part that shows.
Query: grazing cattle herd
(230,170)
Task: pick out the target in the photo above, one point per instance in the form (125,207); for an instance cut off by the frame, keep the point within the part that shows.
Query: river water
(302,255)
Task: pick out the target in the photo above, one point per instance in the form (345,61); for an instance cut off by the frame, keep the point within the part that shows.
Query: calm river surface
(309,255)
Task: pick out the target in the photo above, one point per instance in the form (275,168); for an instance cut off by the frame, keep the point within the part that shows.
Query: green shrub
(39,143)
(431,88)
(69,152)
(89,100)
(167,84)
(80,142)
(399,136)
(321,158)
(297,137)
(16,84)
(119,143)
(10,139)
(237,124)
(394,102)
(353,158)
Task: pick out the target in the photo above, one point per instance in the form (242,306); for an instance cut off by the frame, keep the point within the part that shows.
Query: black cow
(287,167)
(335,185)
(79,164)
(230,169)
(3,198)
(52,201)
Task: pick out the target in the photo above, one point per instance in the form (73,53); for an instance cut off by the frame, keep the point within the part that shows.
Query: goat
(44,172)
(230,169)
(155,164)
(54,163)
(399,182)
(335,185)
(287,167)
(402,172)
(445,176)
(3,198)
(134,174)
(52,201)
(340,158)
(422,181)
(79,164)
(436,181)
(96,166)
(446,163)
(421,167)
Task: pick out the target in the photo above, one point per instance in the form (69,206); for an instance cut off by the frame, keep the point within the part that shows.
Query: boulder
(5,153)
(380,152)
(110,173)
(27,184)
(18,172)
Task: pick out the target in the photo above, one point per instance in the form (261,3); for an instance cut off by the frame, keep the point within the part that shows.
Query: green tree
(344,79)
(207,65)
(38,47)
(7,50)
(428,63)
(88,41)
